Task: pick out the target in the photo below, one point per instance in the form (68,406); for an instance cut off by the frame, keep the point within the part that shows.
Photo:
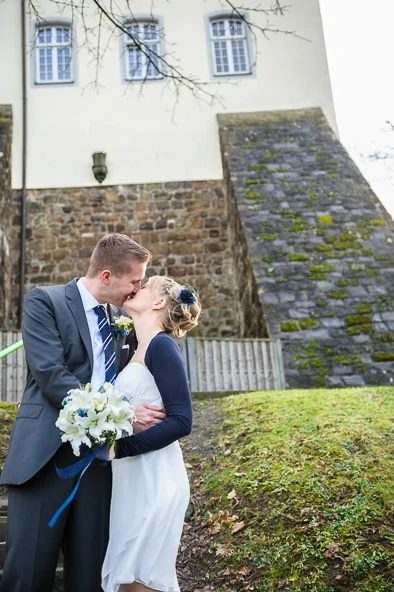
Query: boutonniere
(122,325)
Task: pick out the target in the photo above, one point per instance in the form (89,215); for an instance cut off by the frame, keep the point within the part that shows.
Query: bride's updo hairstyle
(183,305)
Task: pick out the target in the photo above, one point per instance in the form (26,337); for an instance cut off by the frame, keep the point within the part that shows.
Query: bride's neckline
(147,347)
(139,364)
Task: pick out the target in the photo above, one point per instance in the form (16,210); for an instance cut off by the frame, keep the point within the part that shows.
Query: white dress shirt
(89,302)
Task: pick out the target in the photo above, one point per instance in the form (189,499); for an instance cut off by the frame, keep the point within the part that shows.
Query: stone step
(3,528)
(2,554)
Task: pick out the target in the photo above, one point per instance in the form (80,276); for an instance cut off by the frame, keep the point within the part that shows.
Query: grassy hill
(293,491)
(298,493)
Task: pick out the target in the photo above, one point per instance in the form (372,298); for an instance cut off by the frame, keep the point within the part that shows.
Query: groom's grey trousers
(32,507)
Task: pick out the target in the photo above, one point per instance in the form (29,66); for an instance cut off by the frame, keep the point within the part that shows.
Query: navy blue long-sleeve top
(163,359)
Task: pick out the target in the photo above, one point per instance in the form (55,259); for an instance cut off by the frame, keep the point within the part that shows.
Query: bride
(150,491)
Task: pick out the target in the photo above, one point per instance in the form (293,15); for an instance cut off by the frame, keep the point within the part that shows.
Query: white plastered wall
(148,135)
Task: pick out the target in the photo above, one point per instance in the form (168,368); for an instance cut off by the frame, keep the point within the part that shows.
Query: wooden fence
(228,365)
(12,368)
(232,365)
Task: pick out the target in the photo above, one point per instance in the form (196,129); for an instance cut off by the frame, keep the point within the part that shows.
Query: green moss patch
(347,282)
(323,248)
(258,167)
(348,359)
(297,257)
(338,294)
(322,268)
(290,215)
(383,357)
(363,307)
(384,337)
(299,225)
(307,323)
(289,326)
(360,329)
(252,195)
(357,319)
(268,236)
(325,219)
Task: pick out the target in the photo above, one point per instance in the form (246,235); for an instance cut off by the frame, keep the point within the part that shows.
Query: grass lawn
(299,493)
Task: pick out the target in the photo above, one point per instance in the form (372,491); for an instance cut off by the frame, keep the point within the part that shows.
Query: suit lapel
(76,307)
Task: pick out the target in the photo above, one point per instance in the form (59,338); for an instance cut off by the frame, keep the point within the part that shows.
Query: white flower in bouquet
(95,415)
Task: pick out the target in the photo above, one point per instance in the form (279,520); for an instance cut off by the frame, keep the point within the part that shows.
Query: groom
(64,348)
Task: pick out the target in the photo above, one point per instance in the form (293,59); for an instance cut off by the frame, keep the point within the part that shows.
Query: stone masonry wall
(183,224)
(249,313)
(8,315)
(320,243)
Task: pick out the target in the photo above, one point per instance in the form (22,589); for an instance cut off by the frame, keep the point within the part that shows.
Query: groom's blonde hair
(117,253)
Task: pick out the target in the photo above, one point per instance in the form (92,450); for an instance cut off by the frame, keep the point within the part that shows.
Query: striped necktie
(108,344)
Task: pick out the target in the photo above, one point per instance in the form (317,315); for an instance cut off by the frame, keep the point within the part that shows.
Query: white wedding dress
(150,496)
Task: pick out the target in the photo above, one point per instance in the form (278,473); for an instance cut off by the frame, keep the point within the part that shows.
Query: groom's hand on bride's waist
(147,416)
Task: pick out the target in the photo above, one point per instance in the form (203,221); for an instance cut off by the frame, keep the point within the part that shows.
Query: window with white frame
(142,50)
(53,54)
(229,46)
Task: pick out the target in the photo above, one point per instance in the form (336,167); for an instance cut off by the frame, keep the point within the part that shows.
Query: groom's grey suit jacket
(59,357)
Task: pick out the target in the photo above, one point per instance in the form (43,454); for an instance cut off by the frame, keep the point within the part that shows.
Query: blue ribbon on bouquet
(81,466)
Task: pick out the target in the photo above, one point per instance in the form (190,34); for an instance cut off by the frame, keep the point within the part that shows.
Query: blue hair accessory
(186,296)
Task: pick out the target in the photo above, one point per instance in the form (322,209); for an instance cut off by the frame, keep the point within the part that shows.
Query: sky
(360,51)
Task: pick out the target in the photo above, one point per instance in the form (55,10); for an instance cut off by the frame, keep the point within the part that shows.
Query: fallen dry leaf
(237,527)
(332,550)
(223,550)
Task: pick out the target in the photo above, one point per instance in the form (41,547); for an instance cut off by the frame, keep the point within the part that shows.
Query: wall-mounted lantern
(99,167)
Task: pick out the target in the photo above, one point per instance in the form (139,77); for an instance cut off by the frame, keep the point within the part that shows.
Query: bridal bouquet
(95,416)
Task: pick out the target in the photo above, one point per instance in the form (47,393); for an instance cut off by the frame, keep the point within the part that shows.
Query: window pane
(134,30)
(134,63)
(40,35)
(152,64)
(45,65)
(64,63)
(235,28)
(221,59)
(239,58)
(218,29)
(44,35)
(142,31)
(150,32)
(62,35)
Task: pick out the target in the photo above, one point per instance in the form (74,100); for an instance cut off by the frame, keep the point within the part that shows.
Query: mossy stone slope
(320,244)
